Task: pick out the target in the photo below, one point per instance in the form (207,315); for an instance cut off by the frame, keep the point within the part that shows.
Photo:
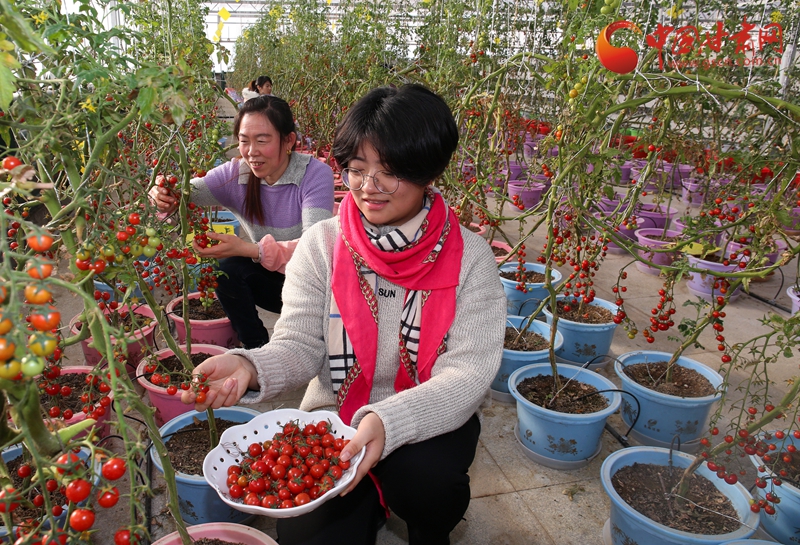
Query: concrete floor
(514,500)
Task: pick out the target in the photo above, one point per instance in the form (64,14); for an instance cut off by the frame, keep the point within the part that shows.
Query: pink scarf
(430,265)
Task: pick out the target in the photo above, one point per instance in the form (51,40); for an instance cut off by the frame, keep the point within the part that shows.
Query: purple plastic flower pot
(794,294)
(655,215)
(652,238)
(702,284)
(693,191)
(528,193)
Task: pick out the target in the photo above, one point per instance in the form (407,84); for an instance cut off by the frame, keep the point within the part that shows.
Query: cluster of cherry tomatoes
(70,479)
(297,466)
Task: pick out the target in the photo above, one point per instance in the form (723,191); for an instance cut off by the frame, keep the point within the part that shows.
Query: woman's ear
(291,139)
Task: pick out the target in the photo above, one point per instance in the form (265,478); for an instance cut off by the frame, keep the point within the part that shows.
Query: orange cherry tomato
(5,324)
(3,294)
(37,295)
(7,349)
(40,243)
(39,271)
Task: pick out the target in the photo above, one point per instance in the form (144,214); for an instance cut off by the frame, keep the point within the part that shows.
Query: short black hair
(411,128)
(276,109)
(262,80)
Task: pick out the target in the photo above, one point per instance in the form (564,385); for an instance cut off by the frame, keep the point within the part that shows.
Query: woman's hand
(164,199)
(372,434)
(228,246)
(228,377)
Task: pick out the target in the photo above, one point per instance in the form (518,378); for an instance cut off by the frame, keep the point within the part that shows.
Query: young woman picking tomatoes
(396,315)
(275,194)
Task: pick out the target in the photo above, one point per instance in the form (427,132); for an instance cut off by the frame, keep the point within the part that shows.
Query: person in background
(396,315)
(276,195)
(249,91)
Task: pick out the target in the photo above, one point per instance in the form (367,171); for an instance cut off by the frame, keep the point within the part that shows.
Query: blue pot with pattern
(514,359)
(627,526)
(664,416)
(559,439)
(784,525)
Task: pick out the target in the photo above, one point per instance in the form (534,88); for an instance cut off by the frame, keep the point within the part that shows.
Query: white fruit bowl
(234,443)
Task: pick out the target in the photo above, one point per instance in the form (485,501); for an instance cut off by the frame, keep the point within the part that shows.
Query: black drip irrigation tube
(622,439)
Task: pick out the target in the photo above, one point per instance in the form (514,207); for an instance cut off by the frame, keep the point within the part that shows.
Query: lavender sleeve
(317,193)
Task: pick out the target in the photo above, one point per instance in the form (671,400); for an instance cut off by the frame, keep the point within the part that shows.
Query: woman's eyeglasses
(385,182)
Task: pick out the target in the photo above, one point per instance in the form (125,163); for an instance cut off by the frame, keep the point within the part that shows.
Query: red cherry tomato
(11,162)
(108,498)
(78,490)
(113,469)
(81,520)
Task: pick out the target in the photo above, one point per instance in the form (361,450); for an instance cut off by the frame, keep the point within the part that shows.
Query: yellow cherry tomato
(10,369)
(42,344)
(7,349)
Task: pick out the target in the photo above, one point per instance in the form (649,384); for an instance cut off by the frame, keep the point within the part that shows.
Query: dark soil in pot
(76,382)
(530,341)
(530,277)
(215,541)
(585,314)
(644,487)
(192,444)
(23,512)
(499,252)
(685,382)
(198,312)
(573,398)
(786,465)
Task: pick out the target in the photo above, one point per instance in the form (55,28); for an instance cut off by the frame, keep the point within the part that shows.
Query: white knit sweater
(460,379)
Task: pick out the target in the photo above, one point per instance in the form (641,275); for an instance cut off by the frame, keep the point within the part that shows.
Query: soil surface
(499,252)
(788,470)
(215,541)
(172,364)
(530,341)
(531,277)
(189,451)
(23,512)
(645,487)
(473,228)
(573,398)
(589,314)
(685,382)
(198,312)
(77,383)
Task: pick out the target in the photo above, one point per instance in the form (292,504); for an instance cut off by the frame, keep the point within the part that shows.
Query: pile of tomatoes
(299,465)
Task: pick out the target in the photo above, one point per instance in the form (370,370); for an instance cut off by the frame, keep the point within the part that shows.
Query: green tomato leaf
(7,80)
(146,100)
(608,191)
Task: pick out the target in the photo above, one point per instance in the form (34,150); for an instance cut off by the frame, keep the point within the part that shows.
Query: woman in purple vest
(276,195)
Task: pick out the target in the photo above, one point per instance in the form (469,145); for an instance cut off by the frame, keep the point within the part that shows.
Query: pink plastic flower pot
(217,332)
(102,425)
(226,531)
(169,406)
(139,340)
(503,246)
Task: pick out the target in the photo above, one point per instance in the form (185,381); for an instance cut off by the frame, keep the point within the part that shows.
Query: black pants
(426,484)
(244,286)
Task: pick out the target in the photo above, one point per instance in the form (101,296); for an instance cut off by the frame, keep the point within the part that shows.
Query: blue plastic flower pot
(199,502)
(514,359)
(559,438)
(523,304)
(629,526)
(664,416)
(784,525)
(749,542)
(585,342)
